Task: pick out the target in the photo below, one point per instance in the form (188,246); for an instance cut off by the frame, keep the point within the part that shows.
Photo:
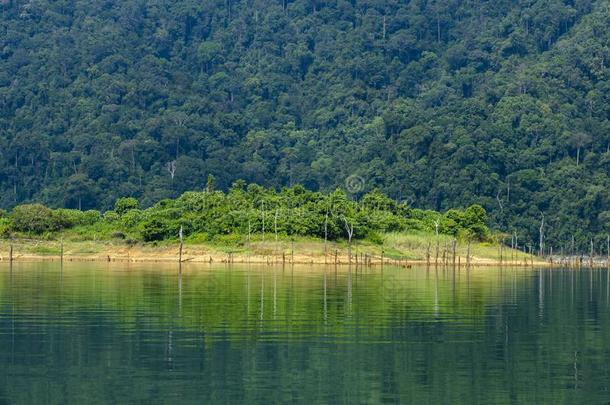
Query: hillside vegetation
(438,104)
(244,213)
(254,221)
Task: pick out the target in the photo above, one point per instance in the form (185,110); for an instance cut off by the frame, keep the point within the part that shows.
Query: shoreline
(299,259)
(304,252)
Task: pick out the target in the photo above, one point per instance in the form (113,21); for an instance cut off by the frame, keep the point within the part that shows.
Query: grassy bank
(400,248)
(252,224)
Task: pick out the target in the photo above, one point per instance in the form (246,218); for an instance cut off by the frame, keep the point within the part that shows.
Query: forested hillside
(437,103)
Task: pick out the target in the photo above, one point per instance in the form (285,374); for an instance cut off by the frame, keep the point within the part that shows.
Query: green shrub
(126,204)
(33,218)
(111,216)
(5,228)
(198,238)
(67,218)
(474,221)
(229,240)
(375,238)
(90,217)
(117,235)
(131,218)
(156,228)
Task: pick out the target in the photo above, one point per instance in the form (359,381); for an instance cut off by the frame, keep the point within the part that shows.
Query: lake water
(101,333)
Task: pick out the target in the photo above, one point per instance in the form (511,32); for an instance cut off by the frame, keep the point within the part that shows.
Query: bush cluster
(254,210)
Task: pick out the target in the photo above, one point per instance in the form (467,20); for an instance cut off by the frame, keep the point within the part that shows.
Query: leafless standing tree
(277,213)
(263,215)
(325,232)
(171,168)
(181,235)
(437,224)
(578,141)
(500,201)
(608,251)
(541,236)
(349,227)
(249,228)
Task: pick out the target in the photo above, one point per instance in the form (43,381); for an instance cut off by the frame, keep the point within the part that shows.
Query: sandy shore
(270,252)
(165,256)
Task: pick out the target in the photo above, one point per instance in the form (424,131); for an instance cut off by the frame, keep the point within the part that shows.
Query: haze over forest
(438,103)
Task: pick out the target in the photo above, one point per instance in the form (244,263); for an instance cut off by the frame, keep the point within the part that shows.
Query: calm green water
(143,334)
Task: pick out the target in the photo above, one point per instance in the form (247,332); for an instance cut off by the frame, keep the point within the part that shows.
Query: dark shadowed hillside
(438,103)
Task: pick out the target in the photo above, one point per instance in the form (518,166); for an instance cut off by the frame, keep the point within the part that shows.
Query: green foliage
(126,204)
(33,218)
(291,211)
(604,219)
(37,219)
(5,228)
(156,228)
(474,221)
(67,218)
(111,216)
(251,210)
(441,104)
(210,184)
(375,238)
(130,219)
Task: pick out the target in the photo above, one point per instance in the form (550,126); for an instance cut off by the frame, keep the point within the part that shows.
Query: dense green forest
(246,212)
(439,104)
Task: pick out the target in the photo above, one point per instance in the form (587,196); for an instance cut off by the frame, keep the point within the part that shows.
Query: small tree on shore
(32,218)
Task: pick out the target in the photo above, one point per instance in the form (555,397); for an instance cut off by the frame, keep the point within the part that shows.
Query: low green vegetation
(247,213)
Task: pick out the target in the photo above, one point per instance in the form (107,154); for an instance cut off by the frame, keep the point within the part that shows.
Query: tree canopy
(243,212)
(438,104)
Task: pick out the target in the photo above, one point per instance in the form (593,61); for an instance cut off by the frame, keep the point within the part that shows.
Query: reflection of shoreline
(126,327)
(250,297)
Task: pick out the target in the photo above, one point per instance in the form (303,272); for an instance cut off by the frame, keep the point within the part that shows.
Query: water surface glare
(108,333)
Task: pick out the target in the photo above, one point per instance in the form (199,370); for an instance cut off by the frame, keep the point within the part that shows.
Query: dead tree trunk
(326,235)
(263,215)
(454,249)
(249,228)
(541,235)
(436,226)
(181,234)
(277,212)
(349,227)
(501,250)
(512,247)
